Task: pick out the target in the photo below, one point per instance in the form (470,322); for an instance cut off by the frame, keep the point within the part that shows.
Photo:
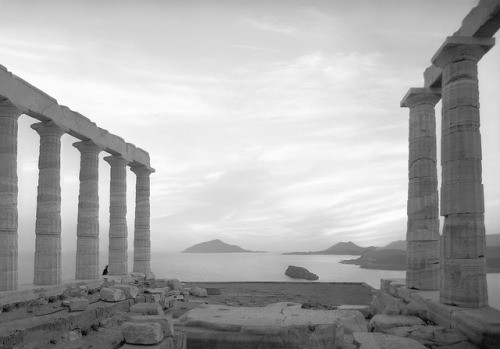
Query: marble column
(142,241)
(463,247)
(48,209)
(87,231)
(118,244)
(8,195)
(422,259)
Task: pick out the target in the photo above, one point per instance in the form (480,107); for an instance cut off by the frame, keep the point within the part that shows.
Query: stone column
(118,244)
(422,256)
(87,231)
(142,241)
(48,209)
(463,248)
(8,195)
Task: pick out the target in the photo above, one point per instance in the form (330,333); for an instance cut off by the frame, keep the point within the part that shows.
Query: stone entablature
(31,101)
(18,97)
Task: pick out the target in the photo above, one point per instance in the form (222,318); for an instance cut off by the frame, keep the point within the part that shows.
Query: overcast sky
(274,125)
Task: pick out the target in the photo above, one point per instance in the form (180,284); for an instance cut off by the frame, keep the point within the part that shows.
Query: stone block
(147,309)
(463,282)
(198,292)
(128,280)
(363,309)
(381,322)
(351,320)
(481,325)
(385,283)
(174,284)
(164,321)
(130,291)
(280,325)
(142,333)
(464,237)
(169,302)
(161,283)
(381,340)
(78,304)
(112,295)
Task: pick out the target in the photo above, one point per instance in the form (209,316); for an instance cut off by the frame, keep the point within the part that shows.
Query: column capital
(48,128)
(457,48)
(87,147)
(416,96)
(141,170)
(7,109)
(116,161)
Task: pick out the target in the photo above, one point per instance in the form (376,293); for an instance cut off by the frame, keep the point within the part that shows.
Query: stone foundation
(480,325)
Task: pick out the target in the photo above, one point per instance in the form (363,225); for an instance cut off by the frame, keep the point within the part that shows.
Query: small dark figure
(105,271)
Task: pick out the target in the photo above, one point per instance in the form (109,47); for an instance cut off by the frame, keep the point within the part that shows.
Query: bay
(245,267)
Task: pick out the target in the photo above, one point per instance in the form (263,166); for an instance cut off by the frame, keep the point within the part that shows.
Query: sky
(274,125)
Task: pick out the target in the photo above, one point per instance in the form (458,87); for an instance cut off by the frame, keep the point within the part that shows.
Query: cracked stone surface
(278,325)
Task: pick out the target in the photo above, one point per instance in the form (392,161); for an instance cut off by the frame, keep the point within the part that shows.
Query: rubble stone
(147,309)
(112,295)
(142,333)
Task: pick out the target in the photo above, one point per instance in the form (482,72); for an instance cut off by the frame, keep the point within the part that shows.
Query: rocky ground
(411,332)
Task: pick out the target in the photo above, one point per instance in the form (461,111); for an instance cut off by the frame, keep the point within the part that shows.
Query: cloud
(271,24)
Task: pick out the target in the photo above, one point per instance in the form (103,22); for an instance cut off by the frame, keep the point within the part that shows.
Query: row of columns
(454,262)
(48,213)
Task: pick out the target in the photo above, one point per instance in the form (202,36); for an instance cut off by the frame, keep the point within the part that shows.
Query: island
(341,248)
(216,246)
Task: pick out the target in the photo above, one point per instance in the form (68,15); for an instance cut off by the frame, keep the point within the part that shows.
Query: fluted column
(8,195)
(463,248)
(87,231)
(142,241)
(422,258)
(118,244)
(48,209)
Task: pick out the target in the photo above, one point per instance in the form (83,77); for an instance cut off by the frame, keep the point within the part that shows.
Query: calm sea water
(246,267)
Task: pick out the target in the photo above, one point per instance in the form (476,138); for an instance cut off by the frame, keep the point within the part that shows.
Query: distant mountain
(214,246)
(491,240)
(341,248)
(395,245)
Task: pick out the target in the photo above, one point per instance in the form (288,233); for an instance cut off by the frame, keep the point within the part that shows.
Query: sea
(268,266)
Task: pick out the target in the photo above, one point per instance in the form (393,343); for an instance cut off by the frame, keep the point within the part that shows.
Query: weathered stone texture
(147,309)
(48,211)
(118,234)
(142,240)
(78,304)
(142,333)
(384,341)
(422,270)
(87,231)
(462,264)
(8,195)
(112,295)
(130,291)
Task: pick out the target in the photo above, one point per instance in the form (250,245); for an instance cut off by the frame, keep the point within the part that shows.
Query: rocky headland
(393,256)
(341,248)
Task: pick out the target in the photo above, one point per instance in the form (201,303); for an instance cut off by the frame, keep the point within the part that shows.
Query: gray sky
(274,125)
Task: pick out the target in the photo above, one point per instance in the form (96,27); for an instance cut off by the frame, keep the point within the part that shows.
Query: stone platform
(480,325)
(279,325)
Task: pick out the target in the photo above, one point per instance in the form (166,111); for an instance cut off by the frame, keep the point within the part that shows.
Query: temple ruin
(19,97)
(454,263)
